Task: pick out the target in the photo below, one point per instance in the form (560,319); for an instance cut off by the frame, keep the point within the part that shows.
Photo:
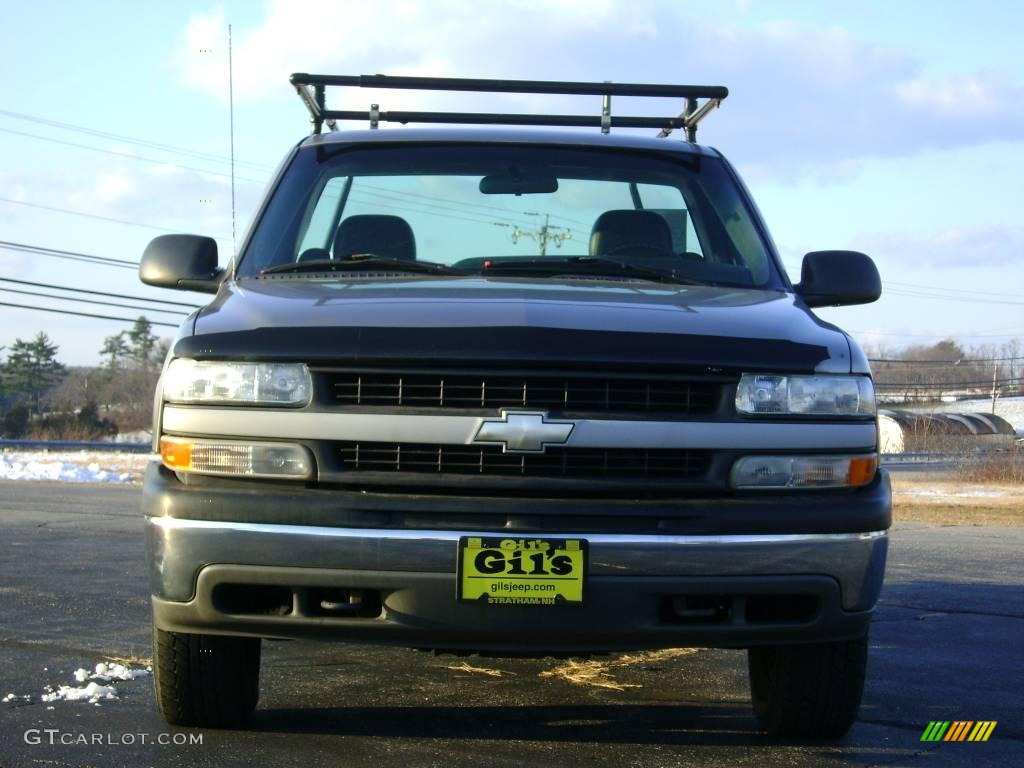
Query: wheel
(808,690)
(205,680)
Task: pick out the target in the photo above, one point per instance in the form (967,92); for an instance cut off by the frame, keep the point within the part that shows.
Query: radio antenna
(231,112)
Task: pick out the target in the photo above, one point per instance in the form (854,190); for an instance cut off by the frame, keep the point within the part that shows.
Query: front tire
(808,690)
(210,681)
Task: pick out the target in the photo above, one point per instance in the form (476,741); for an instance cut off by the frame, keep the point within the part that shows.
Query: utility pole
(547,232)
(231,116)
(995,367)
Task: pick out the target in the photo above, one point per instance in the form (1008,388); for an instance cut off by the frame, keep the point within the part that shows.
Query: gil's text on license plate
(506,571)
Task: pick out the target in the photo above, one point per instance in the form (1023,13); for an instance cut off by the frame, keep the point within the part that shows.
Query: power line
(206,156)
(84,314)
(98,293)
(195,154)
(69,255)
(95,302)
(984,360)
(82,213)
(462,202)
(88,215)
(898,288)
(129,155)
(949,384)
(944,297)
(441,203)
(949,290)
(986,334)
(169,148)
(423,209)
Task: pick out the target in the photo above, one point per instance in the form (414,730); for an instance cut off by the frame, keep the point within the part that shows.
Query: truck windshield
(513,209)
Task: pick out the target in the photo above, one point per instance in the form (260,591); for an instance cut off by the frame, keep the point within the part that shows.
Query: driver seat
(631,236)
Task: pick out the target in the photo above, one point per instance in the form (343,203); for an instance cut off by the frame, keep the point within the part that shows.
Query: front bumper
(634,581)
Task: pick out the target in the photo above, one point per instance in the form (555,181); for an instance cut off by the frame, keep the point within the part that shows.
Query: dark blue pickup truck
(514,390)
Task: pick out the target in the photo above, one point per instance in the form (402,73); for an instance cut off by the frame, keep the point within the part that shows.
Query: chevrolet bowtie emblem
(523,432)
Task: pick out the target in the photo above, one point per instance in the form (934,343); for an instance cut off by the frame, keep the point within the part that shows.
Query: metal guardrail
(923,456)
(75,445)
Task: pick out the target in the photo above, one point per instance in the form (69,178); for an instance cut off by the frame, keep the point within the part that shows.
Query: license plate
(504,571)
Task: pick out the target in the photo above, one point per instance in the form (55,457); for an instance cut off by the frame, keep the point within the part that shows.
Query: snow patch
(73,466)
(106,672)
(974,493)
(92,693)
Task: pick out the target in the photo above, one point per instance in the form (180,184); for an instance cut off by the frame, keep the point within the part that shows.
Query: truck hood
(475,321)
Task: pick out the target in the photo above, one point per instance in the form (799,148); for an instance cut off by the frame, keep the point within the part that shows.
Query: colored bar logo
(958,730)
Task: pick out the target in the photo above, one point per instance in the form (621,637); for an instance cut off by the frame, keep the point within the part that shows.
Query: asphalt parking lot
(946,645)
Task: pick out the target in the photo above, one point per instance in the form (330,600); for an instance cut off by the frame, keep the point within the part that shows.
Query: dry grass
(933,499)
(596,673)
(1003,468)
(130,660)
(464,667)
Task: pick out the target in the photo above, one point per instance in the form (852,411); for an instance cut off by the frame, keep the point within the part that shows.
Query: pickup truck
(514,389)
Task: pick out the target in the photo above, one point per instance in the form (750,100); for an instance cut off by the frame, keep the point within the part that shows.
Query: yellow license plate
(506,571)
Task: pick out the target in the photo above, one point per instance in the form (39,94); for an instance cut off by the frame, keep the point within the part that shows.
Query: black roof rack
(312,88)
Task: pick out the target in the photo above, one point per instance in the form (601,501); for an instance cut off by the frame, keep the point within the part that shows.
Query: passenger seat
(389,237)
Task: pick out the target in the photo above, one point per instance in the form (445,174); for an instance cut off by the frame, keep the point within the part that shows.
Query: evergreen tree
(142,344)
(32,368)
(114,351)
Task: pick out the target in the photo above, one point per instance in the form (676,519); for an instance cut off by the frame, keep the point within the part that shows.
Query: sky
(896,129)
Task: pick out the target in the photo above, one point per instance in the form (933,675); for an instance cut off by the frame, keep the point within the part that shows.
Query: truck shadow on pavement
(594,723)
(683,724)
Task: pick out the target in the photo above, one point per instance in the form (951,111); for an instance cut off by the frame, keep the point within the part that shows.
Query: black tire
(205,680)
(810,691)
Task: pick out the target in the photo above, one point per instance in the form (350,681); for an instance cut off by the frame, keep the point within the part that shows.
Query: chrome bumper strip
(179,549)
(461,430)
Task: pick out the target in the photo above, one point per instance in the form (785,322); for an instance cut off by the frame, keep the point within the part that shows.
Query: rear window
(464,205)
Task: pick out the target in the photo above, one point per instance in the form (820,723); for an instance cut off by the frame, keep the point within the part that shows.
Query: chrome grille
(617,463)
(563,394)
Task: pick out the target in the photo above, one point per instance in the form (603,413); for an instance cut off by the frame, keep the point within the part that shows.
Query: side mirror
(184,262)
(838,278)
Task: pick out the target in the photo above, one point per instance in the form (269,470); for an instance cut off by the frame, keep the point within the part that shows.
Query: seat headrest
(314,254)
(389,237)
(616,232)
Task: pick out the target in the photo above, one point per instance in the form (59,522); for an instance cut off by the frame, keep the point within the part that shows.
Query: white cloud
(952,95)
(112,187)
(974,248)
(805,98)
(164,169)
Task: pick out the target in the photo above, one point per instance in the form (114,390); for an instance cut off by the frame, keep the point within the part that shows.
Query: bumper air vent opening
(781,609)
(343,603)
(697,609)
(253,599)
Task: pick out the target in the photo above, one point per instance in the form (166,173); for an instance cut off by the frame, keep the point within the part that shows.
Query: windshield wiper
(367,262)
(582,265)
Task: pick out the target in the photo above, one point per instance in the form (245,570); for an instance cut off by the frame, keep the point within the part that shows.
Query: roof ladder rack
(312,91)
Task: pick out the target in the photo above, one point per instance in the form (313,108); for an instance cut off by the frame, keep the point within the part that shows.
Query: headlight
(803,471)
(193,381)
(762,394)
